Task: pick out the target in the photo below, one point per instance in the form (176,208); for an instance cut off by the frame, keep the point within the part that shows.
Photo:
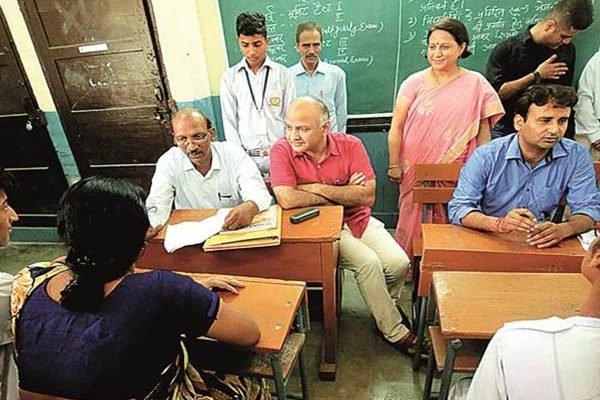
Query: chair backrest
(425,193)
(430,173)
(597,170)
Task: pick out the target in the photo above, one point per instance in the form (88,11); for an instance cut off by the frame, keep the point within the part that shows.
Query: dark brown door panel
(25,146)
(101,62)
(128,136)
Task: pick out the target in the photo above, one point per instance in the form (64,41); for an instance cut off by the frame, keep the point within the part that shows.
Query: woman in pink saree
(441,115)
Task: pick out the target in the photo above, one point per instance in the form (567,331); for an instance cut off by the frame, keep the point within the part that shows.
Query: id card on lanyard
(259,124)
(259,120)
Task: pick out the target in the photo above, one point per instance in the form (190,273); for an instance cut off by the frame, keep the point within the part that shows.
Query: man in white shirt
(7,217)
(255,93)
(550,359)
(317,78)
(587,109)
(201,173)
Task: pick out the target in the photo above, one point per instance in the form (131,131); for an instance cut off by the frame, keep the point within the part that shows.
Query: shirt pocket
(226,199)
(275,100)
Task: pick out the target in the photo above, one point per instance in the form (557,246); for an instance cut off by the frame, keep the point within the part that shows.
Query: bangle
(393,166)
(497,223)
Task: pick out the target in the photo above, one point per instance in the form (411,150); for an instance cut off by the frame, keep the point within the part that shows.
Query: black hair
(575,14)
(308,26)
(251,23)
(458,31)
(560,95)
(7,180)
(104,223)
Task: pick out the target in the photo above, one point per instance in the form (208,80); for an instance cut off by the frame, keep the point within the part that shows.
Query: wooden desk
(308,252)
(474,305)
(274,304)
(454,248)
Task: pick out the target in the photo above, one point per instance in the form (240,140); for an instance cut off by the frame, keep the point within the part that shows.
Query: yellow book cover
(252,235)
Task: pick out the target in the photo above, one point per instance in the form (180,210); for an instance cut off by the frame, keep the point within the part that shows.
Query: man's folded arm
(347,195)
(290,197)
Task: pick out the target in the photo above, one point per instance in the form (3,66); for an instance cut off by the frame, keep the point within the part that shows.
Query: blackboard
(380,42)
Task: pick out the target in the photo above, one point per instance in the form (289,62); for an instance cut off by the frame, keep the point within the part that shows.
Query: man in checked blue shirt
(515,183)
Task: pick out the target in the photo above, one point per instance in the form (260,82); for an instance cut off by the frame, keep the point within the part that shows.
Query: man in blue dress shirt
(317,78)
(515,183)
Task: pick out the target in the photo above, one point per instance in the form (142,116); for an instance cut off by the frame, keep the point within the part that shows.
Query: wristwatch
(537,77)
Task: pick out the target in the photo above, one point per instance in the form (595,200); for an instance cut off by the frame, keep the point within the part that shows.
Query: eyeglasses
(197,138)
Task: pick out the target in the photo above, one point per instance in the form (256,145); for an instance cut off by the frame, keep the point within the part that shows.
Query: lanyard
(262,103)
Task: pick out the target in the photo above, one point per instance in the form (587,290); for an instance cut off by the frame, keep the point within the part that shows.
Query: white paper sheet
(193,232)
(586,238)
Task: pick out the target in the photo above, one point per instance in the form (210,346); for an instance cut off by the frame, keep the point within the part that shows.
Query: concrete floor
(368,368)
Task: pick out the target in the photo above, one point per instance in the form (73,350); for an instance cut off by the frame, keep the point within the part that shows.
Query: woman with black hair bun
(90,328)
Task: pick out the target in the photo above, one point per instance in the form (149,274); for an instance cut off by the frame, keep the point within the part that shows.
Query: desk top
(324,228)
(271,302)
(474,305)
(458,238)
(454,248)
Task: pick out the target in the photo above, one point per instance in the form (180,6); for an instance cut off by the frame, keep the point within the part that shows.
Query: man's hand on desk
(240,216)
(151,232)
(222,282)
(548,234)
(518,219)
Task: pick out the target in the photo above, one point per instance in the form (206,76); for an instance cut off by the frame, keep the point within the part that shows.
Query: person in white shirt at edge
(548,359)
(7,217)
(587,109)
(255,93)
(202,173)
(317,78)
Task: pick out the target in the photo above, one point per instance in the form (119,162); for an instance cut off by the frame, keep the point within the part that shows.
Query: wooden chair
(464,355)
(428,194)
(215,356)
(224,358)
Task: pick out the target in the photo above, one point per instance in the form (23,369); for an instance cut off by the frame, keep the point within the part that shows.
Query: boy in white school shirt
(255,93)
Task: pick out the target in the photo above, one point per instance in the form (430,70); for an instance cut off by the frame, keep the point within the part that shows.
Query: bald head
(312,103)
(191,115)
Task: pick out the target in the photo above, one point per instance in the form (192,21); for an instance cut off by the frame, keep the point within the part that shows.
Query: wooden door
(25,146)
(100,59)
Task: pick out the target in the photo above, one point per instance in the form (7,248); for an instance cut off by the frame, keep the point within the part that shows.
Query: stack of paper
(193,232)
(264,231)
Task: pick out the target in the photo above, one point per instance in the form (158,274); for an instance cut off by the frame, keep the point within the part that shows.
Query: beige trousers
(379,266)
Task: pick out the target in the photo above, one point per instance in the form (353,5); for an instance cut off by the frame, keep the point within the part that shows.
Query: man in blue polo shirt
(515,183)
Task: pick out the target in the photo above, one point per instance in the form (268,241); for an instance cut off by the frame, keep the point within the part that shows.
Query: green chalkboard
(359,36)
(380,42)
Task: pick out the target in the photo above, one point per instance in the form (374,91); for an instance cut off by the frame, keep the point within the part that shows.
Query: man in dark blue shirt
(543,53)
(515,183)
